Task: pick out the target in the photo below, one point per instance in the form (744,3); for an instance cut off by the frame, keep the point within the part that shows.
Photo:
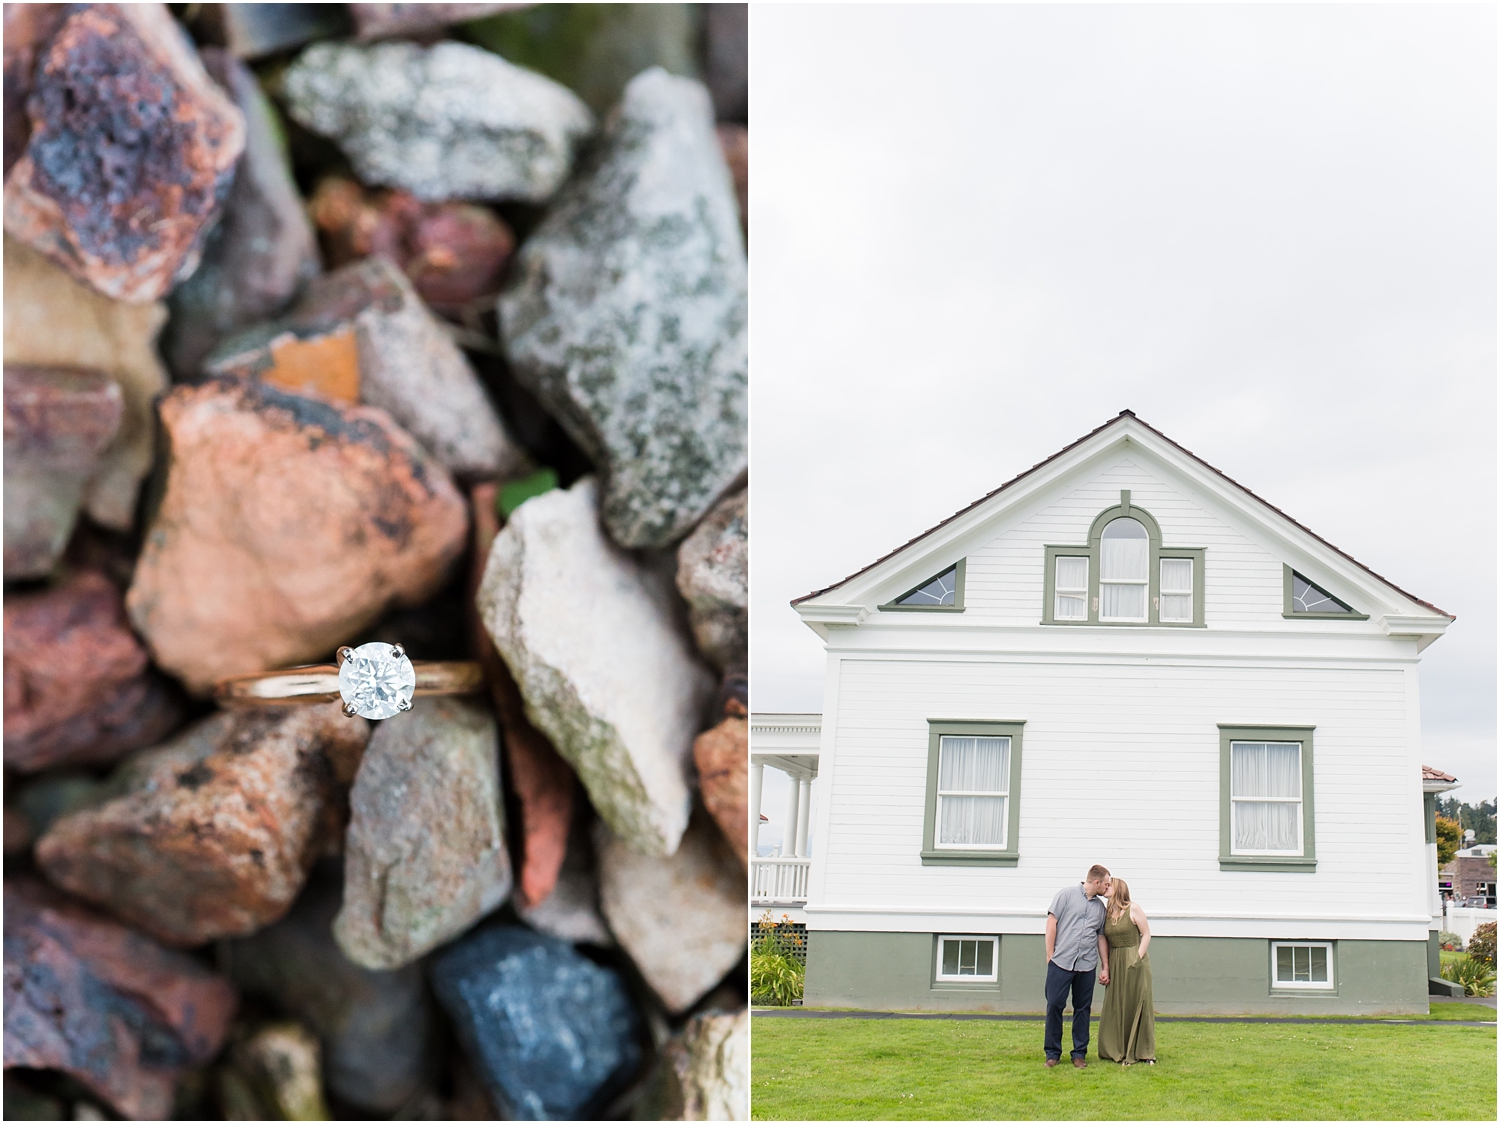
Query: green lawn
(858,1069)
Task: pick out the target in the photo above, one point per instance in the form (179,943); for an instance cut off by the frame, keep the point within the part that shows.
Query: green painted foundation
(1191,976)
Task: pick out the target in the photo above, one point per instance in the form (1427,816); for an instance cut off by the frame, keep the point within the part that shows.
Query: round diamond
(377,682)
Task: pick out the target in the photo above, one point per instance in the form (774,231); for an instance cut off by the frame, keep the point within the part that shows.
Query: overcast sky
(979,232)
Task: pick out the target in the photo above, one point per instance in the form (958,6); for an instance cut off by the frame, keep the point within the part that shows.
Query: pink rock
(289,524)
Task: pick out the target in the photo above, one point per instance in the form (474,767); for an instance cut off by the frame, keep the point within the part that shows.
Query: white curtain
(1123,602)
(1260,771)
(1125,551)
(1072,589)
(1177,589)
(973,765)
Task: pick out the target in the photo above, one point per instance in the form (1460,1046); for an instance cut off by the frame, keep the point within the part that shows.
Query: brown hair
(1097,872)
(1119,898)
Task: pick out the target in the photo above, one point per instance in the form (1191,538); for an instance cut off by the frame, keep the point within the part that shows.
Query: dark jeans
(1060,981)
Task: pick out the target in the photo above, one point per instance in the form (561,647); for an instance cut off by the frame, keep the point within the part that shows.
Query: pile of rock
(329,324)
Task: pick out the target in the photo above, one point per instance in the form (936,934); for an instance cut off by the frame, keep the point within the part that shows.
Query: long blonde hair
(1119,898)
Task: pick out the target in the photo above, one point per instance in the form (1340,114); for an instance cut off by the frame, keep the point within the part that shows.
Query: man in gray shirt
(1075,923)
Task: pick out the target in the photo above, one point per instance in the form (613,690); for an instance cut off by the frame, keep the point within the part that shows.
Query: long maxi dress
(1127,1023)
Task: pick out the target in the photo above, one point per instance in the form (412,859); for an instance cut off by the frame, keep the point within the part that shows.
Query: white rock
(709,1065)
(683,919)
(424,856)
(449,121)
(606,672)
(713,575)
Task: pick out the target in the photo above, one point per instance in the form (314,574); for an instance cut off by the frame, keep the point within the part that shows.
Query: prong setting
(349,711)
(376,680)
(405,705)
(398,652)
(343,654)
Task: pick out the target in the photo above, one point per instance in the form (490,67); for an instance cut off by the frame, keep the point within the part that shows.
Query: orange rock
(541,780)
(288,525)
(326,365)
(132,148)
(723,757)
(215,830)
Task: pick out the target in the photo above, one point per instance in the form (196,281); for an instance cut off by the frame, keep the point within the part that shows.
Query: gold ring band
(320,683)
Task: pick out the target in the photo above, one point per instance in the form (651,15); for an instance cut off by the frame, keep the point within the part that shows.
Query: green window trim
(958,594)
(1124,509)
(1307,861)
(1287,606)
(936,856)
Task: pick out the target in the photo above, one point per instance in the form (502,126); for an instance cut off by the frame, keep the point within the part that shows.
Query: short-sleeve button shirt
(1080,919)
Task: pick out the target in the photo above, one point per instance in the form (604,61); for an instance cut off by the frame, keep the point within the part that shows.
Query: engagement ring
(375,681)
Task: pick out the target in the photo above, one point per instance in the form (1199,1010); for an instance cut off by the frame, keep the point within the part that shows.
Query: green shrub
(1477,977)
(1482,944)
(1450,942)
(775,978)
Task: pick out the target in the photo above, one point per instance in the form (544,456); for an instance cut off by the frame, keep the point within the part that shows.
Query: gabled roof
(1087,437)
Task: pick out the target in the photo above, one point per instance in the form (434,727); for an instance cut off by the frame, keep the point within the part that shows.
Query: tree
(1479,818)
(1449,839)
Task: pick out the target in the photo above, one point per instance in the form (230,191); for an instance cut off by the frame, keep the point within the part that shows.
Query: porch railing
(779,880)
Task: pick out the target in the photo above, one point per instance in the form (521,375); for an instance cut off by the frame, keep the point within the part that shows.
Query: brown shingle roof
(1431,774)
(1115,421)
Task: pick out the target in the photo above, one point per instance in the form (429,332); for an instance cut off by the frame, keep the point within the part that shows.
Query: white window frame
(937,819)
(993,977)
(1162,593)
(1303,985)
(1234,800)
(1058,592)
(1143,583)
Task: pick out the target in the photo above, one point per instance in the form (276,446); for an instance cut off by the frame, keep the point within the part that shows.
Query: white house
(1122,656)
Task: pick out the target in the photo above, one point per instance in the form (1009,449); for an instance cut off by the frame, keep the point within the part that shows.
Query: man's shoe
(1080,1063)
(1052,1062)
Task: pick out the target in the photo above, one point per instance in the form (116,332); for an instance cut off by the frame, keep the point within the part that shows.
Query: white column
(789,832)
(804,807)
(757,778)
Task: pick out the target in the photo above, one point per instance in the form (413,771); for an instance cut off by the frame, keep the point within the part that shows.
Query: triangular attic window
(941,590)
(1308,598)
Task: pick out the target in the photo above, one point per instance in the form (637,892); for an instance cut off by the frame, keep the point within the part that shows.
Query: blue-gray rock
(553,1034)
(626,313)
(449,121)
(376,1028)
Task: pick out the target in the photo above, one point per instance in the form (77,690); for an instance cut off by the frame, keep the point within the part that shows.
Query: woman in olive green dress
(1127,1024)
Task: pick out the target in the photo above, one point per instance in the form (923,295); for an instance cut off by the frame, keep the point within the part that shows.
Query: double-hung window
(1176,605)
(1071,588)
(973,783)
(1266,798)
(1124,571)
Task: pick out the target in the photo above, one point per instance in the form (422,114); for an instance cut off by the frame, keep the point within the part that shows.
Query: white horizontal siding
(1121,766)
(1004,578)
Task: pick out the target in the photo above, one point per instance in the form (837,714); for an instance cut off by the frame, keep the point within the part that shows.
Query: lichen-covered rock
(28,30)
(86,996)
(713,576)
(424,857)
(57,424)
(588,634)
(78,689)
(282,1067)
(449,121)
(706,1069)
(683,919)
(723,758)
(455,253)
(552,1034)
(376,1028)
(213,832)
(288,525)
(406,364)
(131,153)
(626,315)
(51,320)
(260,253)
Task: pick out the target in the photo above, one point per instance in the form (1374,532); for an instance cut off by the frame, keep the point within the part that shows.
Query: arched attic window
(1124,576)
